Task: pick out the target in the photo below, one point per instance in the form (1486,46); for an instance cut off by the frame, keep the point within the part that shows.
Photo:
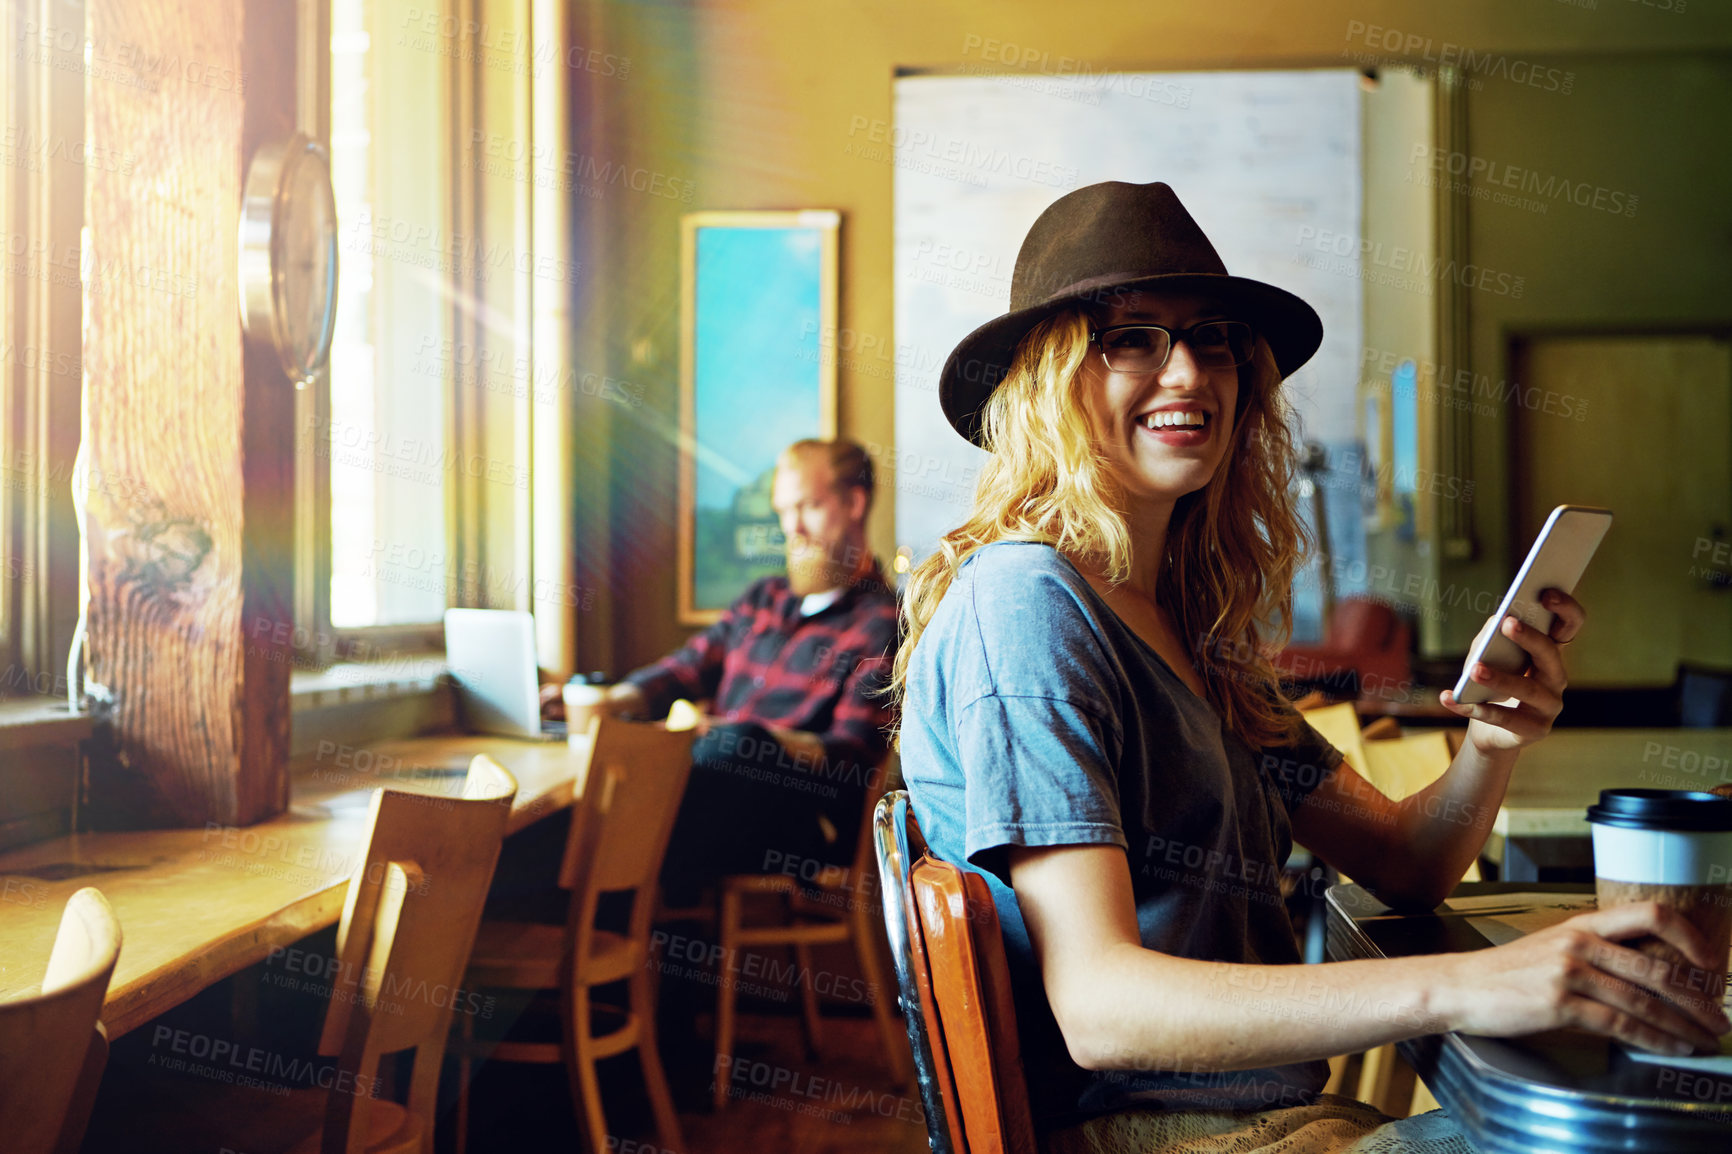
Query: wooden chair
(839,907)
(619,834)
(414,906)
(1339,724)
(409,918)
(52,1045)
(955,988)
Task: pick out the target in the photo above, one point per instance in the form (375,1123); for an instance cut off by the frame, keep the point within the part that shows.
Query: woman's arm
(1413,852)
(1122,1006)
(1409,853)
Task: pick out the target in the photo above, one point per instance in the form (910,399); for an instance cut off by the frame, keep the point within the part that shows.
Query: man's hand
(625,700)
(808,747)
(622,700)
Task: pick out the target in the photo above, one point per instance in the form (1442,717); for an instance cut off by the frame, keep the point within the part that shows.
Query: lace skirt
(1332,1124)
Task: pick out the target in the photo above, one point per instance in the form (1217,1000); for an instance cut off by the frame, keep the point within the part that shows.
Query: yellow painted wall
(1642,126)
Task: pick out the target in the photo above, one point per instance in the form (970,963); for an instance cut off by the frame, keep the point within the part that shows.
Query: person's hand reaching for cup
(1538,692)
(1579,974)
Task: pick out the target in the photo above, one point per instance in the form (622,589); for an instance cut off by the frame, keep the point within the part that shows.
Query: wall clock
(288,254)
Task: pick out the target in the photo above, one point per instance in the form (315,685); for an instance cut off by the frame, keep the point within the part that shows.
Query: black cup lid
(1662,809)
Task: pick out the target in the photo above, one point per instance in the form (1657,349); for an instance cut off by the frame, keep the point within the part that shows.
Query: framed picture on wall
(758,343)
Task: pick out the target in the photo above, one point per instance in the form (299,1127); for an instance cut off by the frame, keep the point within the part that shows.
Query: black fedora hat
(1097,244)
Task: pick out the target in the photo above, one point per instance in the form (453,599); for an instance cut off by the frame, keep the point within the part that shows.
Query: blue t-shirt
(1033,717)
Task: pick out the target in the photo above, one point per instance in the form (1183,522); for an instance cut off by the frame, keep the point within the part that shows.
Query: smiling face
(1144,423)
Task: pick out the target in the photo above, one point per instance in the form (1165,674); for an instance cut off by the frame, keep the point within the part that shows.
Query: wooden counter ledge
(196,905)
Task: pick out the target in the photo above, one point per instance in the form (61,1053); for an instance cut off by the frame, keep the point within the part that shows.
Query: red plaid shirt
(764,662)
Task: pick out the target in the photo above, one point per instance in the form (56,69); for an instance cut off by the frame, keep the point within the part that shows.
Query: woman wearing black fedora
(1090,719)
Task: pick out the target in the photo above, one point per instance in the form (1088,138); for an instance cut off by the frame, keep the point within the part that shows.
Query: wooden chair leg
(1402,1081)
(1337,1074)
(808,983)
(727,927)
(464,1047)
(643,1007)
(580,1067)
(84,1093)
(894,1037)
(1386,1082)
(346,1115)
(655,957)
(1374,1075)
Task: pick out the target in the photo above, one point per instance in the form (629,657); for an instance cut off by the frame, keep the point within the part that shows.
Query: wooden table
(1562,1092)
(1544,818)
(196,905)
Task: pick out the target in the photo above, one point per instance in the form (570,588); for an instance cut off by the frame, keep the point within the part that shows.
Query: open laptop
(490,654)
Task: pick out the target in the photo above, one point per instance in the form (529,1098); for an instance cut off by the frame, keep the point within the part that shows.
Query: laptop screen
(490,654)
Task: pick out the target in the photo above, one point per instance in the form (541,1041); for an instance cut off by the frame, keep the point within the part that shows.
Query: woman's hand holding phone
(1538,692)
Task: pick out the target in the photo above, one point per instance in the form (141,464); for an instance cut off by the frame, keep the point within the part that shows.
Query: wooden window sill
(33,721)
(352,681)
(357,702)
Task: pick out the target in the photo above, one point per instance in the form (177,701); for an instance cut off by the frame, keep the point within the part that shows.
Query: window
(427,473)
(433,465)
(43,159)
(388,445)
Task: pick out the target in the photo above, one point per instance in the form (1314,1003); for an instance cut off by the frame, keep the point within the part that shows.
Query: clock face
(304,262)
(288,254)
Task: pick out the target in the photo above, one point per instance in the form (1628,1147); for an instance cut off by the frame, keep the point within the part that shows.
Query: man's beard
(814,566)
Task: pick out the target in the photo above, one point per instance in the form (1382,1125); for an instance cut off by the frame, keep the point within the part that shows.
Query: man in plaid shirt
(796,667)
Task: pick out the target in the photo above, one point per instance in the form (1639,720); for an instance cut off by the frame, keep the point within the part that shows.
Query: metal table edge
(1503,1113)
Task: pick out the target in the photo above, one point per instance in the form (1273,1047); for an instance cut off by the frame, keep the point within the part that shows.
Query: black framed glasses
(1145,348)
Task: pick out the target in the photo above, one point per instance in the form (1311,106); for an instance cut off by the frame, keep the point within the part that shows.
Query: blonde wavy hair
(1233,546)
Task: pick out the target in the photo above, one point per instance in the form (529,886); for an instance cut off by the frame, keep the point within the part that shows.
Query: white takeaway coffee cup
(1673,847)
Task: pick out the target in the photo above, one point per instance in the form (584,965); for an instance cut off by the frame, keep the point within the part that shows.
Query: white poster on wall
(1267,163)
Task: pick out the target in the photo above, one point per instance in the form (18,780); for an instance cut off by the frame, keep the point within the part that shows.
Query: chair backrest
(1365,624)
(52,1045)
(1402,766)
(631,793)
(955,987)
(971,984)
(409,922)
(896,836)
(1339,725)
(1704,698)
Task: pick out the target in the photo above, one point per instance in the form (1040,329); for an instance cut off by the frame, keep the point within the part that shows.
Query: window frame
(41,322)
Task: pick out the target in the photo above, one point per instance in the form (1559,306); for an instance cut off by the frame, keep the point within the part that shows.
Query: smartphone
(1559,556)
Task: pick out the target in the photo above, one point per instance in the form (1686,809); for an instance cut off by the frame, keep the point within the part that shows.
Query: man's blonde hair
(850,465)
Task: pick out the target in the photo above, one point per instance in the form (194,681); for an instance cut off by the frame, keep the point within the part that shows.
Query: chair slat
(409,922)
(971,981)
